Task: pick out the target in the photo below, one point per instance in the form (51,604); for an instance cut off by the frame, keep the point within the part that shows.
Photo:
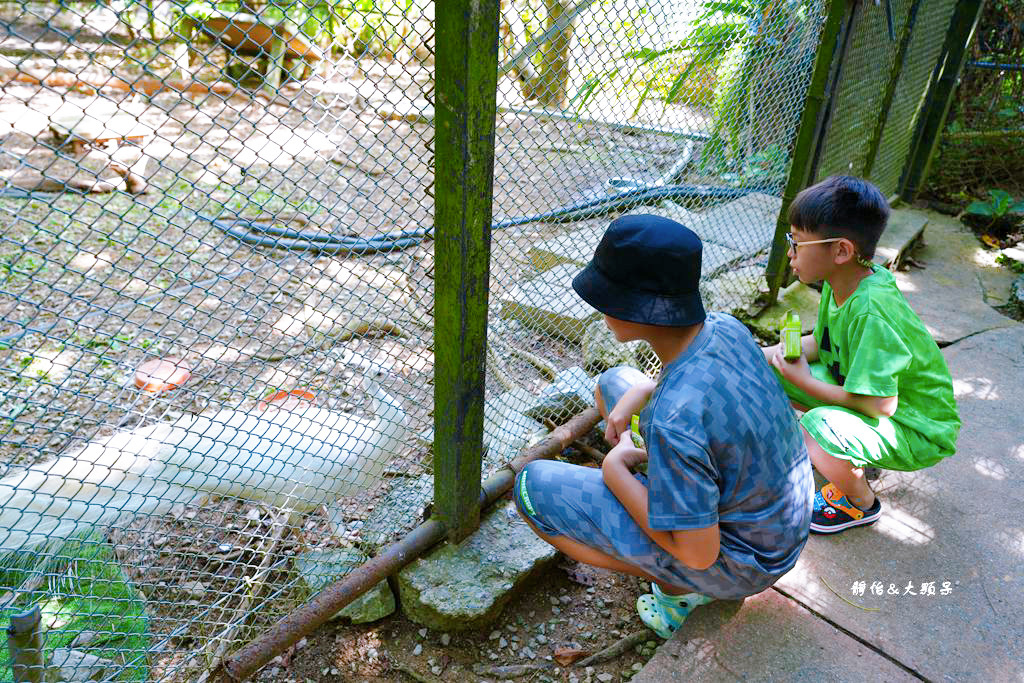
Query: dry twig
(617,648)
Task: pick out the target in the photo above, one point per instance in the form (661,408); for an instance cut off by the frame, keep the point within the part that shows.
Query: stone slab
(400,510)
(797,297)
(733,290)
(956,522)
(578,247)
(569,393)
(322,567)
(548,304)
(745,225)
(904,229)
(960,282)
(602,351)
(466,586)
(767,637)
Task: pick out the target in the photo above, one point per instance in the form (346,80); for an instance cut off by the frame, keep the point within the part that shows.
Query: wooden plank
(466,106)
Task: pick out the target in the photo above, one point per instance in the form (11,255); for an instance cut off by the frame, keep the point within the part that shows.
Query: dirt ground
(569,613)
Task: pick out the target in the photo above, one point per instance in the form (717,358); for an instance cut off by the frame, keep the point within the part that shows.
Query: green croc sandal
(663,613)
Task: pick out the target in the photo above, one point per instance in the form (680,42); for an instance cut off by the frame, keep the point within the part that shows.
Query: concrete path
(947,556)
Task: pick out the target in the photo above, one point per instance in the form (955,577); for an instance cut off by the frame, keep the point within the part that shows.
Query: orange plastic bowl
(161,374)
(288,400)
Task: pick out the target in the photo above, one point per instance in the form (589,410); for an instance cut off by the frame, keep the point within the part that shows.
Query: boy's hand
(616,425)
(792,370)
(770,351)
(625,454)
(631,403)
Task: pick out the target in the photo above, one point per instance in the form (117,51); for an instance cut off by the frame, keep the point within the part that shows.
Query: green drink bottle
(789,336)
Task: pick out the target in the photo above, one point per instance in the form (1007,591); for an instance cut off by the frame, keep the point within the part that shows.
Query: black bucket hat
(645,270)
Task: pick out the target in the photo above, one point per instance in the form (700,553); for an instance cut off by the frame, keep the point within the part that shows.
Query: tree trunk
(553,82)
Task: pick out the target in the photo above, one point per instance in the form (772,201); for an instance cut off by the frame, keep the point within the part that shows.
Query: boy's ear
(845,252)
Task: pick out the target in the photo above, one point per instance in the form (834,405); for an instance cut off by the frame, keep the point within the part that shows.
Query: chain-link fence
(885,73)
(217,272)
(981,145)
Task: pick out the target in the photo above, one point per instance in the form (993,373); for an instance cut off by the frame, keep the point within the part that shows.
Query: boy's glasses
(793,244)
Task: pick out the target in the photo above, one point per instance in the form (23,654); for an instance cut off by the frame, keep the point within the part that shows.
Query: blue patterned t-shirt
(724,446)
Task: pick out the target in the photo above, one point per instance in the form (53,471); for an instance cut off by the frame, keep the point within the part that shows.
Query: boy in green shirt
(875,387)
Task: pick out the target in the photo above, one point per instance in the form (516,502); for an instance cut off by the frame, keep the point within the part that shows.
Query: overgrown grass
(80,588)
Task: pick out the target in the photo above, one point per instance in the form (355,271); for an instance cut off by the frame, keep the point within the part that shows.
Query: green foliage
(740,59)
(999,204)
(82,589)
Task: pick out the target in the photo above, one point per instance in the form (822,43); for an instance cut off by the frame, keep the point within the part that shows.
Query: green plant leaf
(980,208)
(642,98)
(738,7)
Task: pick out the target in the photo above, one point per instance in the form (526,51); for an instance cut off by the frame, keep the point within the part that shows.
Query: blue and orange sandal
(833,512)
(663,613)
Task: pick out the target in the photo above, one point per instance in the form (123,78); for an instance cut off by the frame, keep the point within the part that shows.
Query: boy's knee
(524,504)
(613,383)
(521,495)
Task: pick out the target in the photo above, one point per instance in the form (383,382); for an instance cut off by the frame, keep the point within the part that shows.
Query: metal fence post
(466,101)
(807,147)
(25,644)
(940,95)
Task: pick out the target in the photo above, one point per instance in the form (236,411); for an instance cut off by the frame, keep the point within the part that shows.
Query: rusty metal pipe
(310,616)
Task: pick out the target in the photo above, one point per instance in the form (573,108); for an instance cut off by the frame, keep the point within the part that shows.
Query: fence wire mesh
(981,146)
(216,277)
(924,32)
(197,422)
(867,65)
(685,109)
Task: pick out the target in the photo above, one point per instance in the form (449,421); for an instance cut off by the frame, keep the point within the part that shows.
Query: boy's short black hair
(842,206)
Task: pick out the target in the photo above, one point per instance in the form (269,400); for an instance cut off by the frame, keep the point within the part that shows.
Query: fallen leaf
(991,241)
(567,655)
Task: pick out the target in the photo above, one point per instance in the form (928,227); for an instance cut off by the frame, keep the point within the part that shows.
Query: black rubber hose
(261,234)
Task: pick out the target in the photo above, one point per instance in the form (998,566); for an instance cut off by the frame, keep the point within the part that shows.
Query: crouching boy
(724,508)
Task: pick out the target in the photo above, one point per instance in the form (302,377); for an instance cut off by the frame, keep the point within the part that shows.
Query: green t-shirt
(874,344)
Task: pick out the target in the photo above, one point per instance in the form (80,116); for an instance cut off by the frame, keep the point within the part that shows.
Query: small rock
(502,643)
(195,589)
(83,639)
(1017,294)
(565,599)
(73,665)
(528,653)
(605,678)
(422,633)
(494,635)
(418,650)
(554,600)
(445,639)
(436,670)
